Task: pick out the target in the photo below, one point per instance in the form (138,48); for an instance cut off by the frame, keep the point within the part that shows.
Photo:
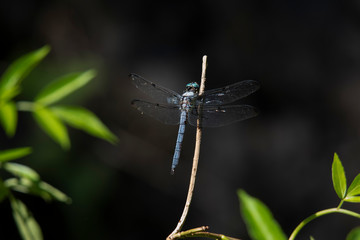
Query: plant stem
(319,214)
(200,232)
(25,106)
(340,204)
(195,159)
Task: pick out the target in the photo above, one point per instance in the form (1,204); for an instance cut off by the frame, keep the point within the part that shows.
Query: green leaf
(8,117)
(352,199)
(54,192)
(354,234)
(20,170)
(354,188)
(259,221)
(338,177)
(52,125)
(37,188)
(64,86)
(10,93)
(18,70)
(15,153)
(18,185)
(4,191)
(85,120)
(27,186)
(28,227)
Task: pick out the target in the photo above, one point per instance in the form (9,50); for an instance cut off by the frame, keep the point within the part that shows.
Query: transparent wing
(230,93)
(217,116)
(158,93)
(167,114)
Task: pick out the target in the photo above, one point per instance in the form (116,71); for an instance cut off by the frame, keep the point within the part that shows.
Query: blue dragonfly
(175,109)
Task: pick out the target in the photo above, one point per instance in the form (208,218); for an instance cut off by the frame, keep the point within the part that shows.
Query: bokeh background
(306,54)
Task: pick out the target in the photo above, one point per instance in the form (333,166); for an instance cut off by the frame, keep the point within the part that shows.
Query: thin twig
(195,159)
(319,214)
(200,232)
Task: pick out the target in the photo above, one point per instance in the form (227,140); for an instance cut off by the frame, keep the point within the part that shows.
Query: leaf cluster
(28,181)
(53,119)
(262,225)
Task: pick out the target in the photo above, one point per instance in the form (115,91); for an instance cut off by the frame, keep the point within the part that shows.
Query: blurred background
(306,54)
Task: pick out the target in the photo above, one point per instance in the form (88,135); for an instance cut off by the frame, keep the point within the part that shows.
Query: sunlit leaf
(352,199)
(10,93)
(26,223)
(15,153)
(54,192)
(17,185)
(354,188)
(85,120)
(338,177)
(20,170)
(37,188)
(18,70)
(52,125)
(8,117)
(27,186)
(64,86)
(259,221)
(354,234)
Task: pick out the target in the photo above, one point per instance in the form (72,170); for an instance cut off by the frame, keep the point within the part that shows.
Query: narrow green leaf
(37,188)
(85,120)
(27,186)
(26,223)
(10,93)
(259,221)
(18,70)
(338,177)
(15,153)
(64,86)
(54,192)
(8,117)
(4,191)
(354,188)
(352,199)
(354,234)
(52,125)
(17,185)
(20,170)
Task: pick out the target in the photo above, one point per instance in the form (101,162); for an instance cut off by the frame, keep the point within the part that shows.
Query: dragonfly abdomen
(179,141)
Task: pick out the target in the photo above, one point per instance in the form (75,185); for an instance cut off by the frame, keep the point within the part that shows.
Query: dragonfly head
(193,87)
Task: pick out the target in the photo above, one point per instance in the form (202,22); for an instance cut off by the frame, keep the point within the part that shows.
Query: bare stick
(200,232)
(195,159)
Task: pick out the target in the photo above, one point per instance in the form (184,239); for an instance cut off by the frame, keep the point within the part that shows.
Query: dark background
(306,54)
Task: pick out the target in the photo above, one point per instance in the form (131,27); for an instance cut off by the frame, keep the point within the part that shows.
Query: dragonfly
(210,108)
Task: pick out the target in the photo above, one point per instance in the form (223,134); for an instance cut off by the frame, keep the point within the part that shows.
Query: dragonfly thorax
(190,94)
(187,100)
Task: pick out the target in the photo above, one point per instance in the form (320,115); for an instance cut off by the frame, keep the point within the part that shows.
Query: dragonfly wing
(155,91)
(217,116)
(167,114)
(230,93)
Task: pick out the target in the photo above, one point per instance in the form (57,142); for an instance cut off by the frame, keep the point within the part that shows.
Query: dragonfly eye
(194,87)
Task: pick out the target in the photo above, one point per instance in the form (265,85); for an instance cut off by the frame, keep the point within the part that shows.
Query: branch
(195,159)
(319,214)
(200,232)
